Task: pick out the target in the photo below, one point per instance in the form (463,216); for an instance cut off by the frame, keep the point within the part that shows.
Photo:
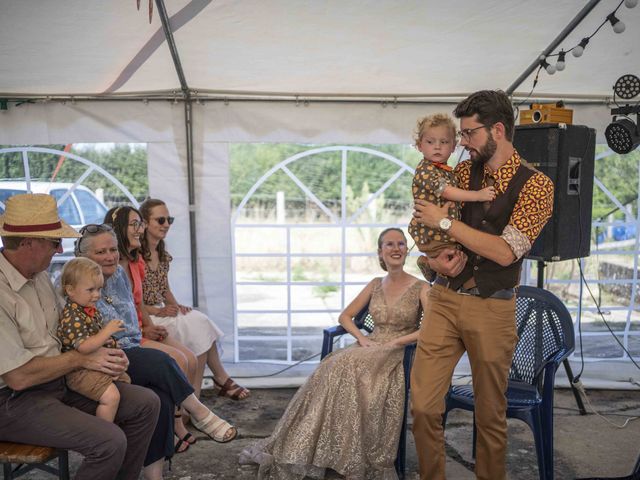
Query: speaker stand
(567,366)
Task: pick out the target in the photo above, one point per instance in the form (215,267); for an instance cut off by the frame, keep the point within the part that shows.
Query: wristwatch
(445,224)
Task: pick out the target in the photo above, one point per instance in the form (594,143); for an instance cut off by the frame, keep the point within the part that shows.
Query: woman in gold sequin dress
(347,416)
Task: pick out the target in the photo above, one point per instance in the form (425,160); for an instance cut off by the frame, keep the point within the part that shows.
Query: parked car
(81,207)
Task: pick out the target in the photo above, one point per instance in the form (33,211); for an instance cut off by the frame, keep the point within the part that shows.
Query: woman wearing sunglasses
(191,327)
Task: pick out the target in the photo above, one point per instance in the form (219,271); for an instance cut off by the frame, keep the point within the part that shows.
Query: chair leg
(545,472)
(474,437)
(402,452)
(400,463)
(63,465)
(8,473)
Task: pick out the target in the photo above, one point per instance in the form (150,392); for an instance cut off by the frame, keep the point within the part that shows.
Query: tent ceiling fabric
(357,48)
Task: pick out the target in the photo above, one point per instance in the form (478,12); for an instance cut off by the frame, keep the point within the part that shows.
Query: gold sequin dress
(348,414)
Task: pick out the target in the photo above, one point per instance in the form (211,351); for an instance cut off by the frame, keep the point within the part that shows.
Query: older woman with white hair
(149,368)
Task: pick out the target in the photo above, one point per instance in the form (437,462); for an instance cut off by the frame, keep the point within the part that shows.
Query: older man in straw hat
(35,406)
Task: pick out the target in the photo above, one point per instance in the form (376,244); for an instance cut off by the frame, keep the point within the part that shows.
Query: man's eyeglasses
(161,220)
(467,132)
(138,225)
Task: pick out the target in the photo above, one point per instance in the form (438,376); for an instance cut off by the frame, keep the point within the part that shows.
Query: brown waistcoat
(490,276)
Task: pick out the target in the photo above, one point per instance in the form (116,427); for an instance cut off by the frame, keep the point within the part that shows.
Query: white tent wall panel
(346,123)
(135,121)
(215,262)
(91,122)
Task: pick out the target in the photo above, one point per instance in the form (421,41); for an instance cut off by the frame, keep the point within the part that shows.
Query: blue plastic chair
(546,339)
(364,321)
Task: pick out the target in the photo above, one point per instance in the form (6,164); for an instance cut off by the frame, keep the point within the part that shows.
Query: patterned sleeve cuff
(442,184)
(517,241)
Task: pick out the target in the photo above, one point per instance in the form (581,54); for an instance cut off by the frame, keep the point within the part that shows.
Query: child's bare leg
(108,403)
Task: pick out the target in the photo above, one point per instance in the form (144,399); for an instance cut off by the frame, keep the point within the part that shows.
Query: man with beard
(472,302)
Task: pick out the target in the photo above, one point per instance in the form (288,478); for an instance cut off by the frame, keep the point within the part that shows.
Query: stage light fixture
(622,134)
(627,86)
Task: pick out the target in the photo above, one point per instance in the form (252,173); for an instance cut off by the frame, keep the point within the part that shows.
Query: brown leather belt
(504,294)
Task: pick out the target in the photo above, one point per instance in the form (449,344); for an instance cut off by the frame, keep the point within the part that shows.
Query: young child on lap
(435,182)
(81,328)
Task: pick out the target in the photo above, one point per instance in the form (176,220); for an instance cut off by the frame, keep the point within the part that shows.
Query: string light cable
(577,50)
(516,108)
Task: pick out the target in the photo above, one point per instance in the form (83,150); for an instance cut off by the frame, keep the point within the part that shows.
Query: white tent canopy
(357,71)
(306,47)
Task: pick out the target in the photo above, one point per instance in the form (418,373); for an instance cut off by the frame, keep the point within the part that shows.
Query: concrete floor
(585,446)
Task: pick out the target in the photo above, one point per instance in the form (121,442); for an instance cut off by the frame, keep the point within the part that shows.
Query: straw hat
(34,215)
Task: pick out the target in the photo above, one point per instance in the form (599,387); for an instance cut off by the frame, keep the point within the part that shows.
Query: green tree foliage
(619,173)
(321,173)
(128,163)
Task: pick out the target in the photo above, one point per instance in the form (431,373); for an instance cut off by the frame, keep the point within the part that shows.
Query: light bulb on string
(578,50)
(630,3)
(617,25)
(551,69)
(560,64)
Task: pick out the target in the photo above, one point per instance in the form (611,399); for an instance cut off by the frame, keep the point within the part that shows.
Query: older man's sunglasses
(162,220)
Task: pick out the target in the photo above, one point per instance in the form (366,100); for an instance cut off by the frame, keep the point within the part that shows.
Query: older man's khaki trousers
(485,328)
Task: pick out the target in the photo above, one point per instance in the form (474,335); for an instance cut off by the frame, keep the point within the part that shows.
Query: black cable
(603,320)
(517,107)
(576,378)
(286,368)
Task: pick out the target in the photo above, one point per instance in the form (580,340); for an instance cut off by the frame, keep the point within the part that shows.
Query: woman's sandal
(184,441)
(215,428)
(231,386)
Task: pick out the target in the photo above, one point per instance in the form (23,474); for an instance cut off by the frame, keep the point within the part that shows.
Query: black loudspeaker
(565,153)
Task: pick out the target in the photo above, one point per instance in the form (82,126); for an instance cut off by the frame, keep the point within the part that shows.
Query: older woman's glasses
(91,229)
(95,228)
(468,132)
(162,220)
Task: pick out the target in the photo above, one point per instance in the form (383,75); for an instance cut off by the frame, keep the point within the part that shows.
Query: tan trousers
(485,328)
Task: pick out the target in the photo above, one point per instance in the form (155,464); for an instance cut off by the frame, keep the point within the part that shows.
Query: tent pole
(188,122)
(552,46)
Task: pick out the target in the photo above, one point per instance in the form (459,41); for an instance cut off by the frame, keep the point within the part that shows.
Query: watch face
(445,224)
